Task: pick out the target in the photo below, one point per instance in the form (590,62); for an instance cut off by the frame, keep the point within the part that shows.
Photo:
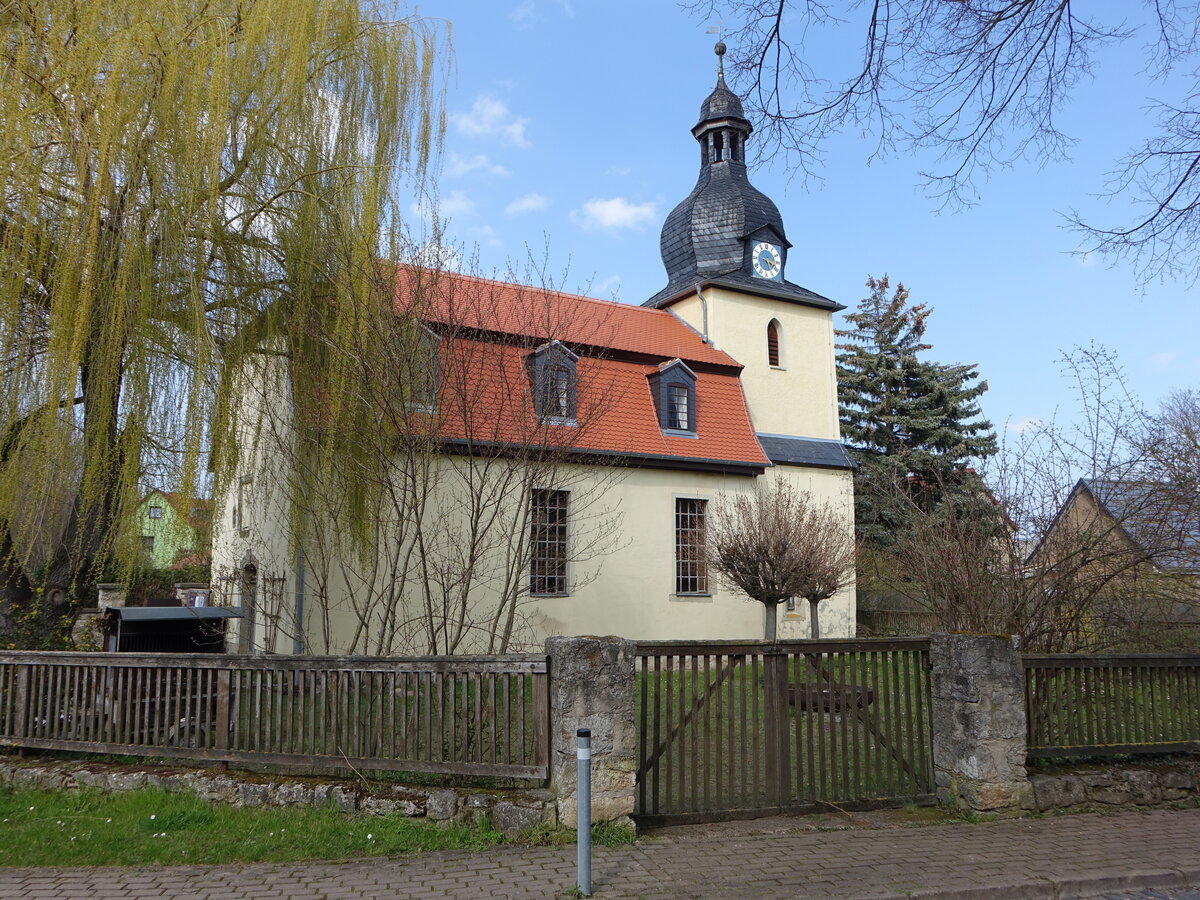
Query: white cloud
(456,203)
(1163,359)
(614,213)
(522,12)
(487,235)
(434,255)
(609,288)
(527,203)
(490,117)
(525,11)
(460,165)
(1024,426)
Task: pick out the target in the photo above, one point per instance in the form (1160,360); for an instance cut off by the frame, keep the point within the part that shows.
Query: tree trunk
(814,626)
(770,620)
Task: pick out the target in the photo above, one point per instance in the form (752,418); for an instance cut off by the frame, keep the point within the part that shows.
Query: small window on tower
(773,356)
(718,147)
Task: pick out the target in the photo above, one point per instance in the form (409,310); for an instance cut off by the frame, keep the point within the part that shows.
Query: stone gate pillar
(592,686)
(979,722)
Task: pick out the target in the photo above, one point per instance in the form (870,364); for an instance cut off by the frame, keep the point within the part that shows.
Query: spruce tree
(911,425)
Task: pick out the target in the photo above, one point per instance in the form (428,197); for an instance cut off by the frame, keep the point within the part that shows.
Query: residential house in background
(172,527)
(1148,535)
(594,438)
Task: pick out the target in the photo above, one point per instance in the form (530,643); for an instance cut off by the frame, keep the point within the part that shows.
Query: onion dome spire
(710,236)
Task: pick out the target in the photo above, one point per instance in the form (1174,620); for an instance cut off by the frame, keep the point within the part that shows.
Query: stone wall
(979,723)
(510,811)
(1097,786)
(592,686)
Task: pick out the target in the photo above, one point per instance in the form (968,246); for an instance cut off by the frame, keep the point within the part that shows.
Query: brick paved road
(1067,856)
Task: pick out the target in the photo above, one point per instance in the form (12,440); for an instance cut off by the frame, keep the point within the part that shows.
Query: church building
(642,419)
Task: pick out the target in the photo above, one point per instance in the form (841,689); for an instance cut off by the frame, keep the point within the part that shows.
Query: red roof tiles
(484,389)
(480,303)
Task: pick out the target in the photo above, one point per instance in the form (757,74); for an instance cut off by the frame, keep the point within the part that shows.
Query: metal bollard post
(583,810)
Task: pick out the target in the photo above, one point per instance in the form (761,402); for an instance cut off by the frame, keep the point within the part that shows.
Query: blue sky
(568,139)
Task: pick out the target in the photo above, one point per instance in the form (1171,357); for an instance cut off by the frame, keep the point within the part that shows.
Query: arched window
(773,343)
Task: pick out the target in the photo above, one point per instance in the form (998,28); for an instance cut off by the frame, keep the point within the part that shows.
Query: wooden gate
(737,729)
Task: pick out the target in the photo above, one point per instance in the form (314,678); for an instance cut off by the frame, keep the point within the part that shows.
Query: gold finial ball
(720,48)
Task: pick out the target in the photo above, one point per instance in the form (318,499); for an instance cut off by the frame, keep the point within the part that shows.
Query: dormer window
(552,379)
(423,374)
(673,388)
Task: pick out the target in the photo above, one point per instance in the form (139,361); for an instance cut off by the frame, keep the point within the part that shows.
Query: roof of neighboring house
(484,391)
(1153,516)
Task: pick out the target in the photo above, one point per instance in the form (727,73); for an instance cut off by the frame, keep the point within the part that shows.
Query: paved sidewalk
(1059,857)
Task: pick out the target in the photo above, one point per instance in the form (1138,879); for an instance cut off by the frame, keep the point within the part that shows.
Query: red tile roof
(484,391)
(480,303)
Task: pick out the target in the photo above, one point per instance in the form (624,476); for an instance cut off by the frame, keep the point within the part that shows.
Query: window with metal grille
(678,408)
(691,562)
(773,343)
(548,542)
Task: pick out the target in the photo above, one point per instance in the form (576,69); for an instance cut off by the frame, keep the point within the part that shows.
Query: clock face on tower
(767,260)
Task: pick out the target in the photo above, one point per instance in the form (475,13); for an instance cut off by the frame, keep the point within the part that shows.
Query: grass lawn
(151,827)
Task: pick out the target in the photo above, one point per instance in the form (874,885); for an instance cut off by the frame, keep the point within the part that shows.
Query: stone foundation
(1099,786)
(510,811)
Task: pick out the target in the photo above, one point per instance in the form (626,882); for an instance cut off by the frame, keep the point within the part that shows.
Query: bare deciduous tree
(983,85)
(780,544)
(1084,527)
(415,531)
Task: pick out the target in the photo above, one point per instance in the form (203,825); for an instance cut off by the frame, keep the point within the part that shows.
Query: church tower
(726,254)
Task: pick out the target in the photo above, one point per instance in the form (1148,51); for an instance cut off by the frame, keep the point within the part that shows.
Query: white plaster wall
(623,579)
(264,429)
(800,396)
(622,574)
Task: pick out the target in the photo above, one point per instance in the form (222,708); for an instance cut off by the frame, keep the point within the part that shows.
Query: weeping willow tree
(180,182)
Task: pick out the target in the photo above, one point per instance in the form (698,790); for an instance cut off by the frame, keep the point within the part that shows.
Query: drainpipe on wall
(704,315)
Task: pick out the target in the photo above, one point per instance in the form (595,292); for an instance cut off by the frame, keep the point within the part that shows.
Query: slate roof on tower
(704,239)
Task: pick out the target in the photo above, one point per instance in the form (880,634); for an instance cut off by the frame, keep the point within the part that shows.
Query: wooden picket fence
(1103,704)
(733,728)
(457,715)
